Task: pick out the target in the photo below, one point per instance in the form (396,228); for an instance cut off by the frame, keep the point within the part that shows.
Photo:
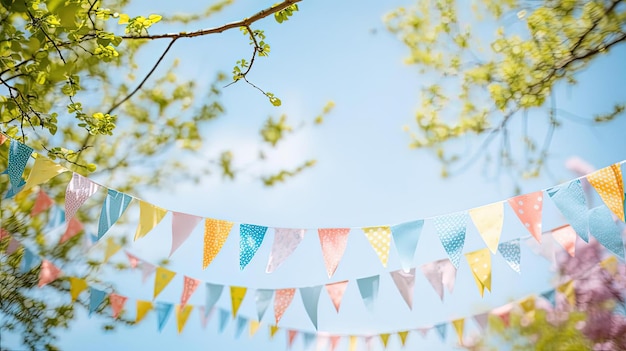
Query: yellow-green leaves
(284,15)
(138,25)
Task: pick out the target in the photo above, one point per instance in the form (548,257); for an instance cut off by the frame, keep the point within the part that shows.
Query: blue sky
(366,175)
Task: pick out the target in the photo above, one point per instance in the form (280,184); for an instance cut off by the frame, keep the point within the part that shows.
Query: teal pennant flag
(570,199)
(114,206)
(250,239)
(405,237)
(451,230)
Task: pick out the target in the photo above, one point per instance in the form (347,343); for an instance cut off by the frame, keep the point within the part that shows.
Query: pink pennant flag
(42,203)
(146,270)
(73,227)
(78,191)
(482,320)
(503,312)
(282,300)
(285,242)
(117,303)
(133,260)
(182,226)
(566,237)
(405,282)
(334,342)
(291,336)
(13,246)
(48,273)
(3,139)
(440,273)
(189,286)
(424,331)
(204,317)
(333,241)
(335,292)
(528,209)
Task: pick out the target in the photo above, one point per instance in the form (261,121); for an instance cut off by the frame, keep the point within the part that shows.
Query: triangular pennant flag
(13,246)
(285,242)
(405,282)
(254,327)
(42,203)
(133,260)
(334,341)
(442,330)
(368,287)
(28,261)
(215,233)
(96,297)
(250,239)
(19,154)
(602,227)
(164,310)
(205,315)
(511,253)
(77,286)
(308,339)
(439,274)
(43,170)
(146,270)
(451,230)
(74,226)
(237,293)
(569,198)
(263,297)
(111,248)
(182,314)
(566,237)
(162,278)
(528,209)
(384,338)
(3,139)
(149,217)
(380,239)
(489,220)
(352,343)
(424,331)
(333,242)
(78,191)
(112,209)
(189,287)
(282,301)
(182,226)
(48,273)
(223,320)
(406,236)
(291,336)
(143,307)
(609,185)
(567,289)
(273,330)
(459,326)
(403,336)
(213,293)
(336,291)
(241,324)
(310,299)
(480,264)
(504,313)
(482,320)
(117,303)
(610,264)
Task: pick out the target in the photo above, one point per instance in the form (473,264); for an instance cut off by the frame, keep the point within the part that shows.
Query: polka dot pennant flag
(182,315)
(310,299)
(480,264)
(282,301)
(143,307)
(610,186)
(215,234)
(336,291)
(405,236)
(182,226)
(162,278)
(237,294)
(43,170)
(117,303)
(405,282)
(48,273)
(19,155)
(451,230)
(149,217)
(78,191)
(528,209)
(489,220)
(566,237)
(112,209)
(511,253)
(604,229)
(368,287)
(333,242)
(189,287)
(250,239)
(42,203)
(569,198)
(380,239)
(164,310)
(285,242)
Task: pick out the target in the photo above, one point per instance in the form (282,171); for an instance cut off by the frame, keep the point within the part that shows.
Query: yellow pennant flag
(528,306)
(182,314)
(43,170)
(459,325)
(489,220)
(567,289)
(149,217)
(610,265)
(254,327)
(215,234)
(273,330)
(77,286)
(111,248)
(161,279)
(480,263)
(143,307)
(380,239)
(403,335)
(237,293)
(352,343)
(385,339)
(610,186)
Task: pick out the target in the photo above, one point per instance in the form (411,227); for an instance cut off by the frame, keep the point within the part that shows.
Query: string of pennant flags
(451,228)
(48,273)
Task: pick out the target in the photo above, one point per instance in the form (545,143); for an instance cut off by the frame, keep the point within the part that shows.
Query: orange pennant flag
(215,234)
(333,242)
(282,301)
(48,273)
(380,239)
(117,303)
(610,186)
(73,227)
(42,203)
(162,278)
(566,237)
(480,263)
(336,291)
(182,314)
(149,217)
(528,210)
(237,293)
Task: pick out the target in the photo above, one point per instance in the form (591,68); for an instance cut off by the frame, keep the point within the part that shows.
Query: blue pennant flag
(570,199)
(213,293)
(241,324)
(250,239)
(224,314)
(308,339)
(451,230)
(18,158)
(511,253)
(550,295)
(442,330)
(164,310)
(95,299)
(263,298)
(29,260)
(114,206)
(310,299)
(604,229)
(406,236)
(368,287)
